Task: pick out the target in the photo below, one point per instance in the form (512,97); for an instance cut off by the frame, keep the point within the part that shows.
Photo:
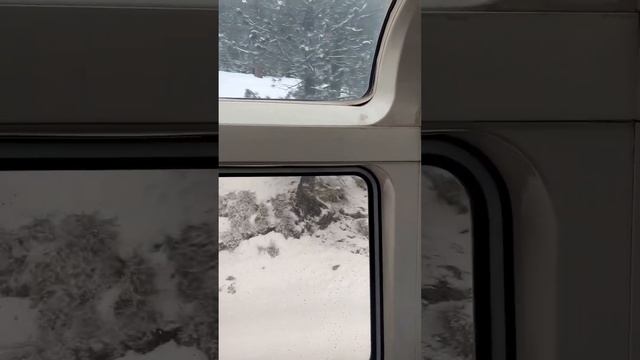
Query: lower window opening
(296,265)
(113,264)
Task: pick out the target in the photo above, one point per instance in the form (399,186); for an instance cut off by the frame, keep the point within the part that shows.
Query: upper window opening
(315,50)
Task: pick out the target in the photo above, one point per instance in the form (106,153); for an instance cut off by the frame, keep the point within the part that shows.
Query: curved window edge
(493,291)
(395,103)
(375,225)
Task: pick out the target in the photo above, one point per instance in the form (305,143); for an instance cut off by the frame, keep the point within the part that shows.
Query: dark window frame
(375,225)
(492,237)
(99,153)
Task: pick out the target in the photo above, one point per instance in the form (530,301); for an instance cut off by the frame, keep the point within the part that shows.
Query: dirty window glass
(294,268)
(447,268)
(108,264)
(321,50)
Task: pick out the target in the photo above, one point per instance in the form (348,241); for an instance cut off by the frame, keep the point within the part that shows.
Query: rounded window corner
(492,240)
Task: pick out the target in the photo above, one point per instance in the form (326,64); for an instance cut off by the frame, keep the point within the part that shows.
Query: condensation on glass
(447,268)
(320,50)
(294,268)
(108,264)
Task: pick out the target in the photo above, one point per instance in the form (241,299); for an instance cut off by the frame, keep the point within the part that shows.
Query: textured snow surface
(294,306)
(17,319)
(235,85)
(447,303)
(107,265)
(168,351)
(148,203)
(265,188)
(306,299)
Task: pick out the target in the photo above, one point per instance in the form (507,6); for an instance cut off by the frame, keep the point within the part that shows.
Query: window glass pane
(291,49)
(447,277)
(294,268)
(112,265)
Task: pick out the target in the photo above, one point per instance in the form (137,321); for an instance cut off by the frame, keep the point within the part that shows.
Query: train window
(325,135)
(321,50)
(296,260)
(447,268)
(467,285)
(103,262)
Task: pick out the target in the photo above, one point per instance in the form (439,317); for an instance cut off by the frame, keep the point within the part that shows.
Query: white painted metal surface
(383,134)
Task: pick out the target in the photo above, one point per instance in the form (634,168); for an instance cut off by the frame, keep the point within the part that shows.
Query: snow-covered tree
(311,207)
(194,254)
(329,45)
(94,302)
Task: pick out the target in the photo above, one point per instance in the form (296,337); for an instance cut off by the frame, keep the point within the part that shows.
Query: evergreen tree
(329,45)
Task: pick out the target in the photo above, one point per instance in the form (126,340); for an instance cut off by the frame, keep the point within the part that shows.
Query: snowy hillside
(122,266)
(167,351)
(108,265)
(294,277)
(294,268)
(236,85)
(447,283)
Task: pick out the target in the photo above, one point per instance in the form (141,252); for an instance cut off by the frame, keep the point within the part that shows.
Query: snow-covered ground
(447,283)
(295,298)
(17,319)
(311,301)
(235,85)
(264,188)
(148,203)
(92,264)
(167,351)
